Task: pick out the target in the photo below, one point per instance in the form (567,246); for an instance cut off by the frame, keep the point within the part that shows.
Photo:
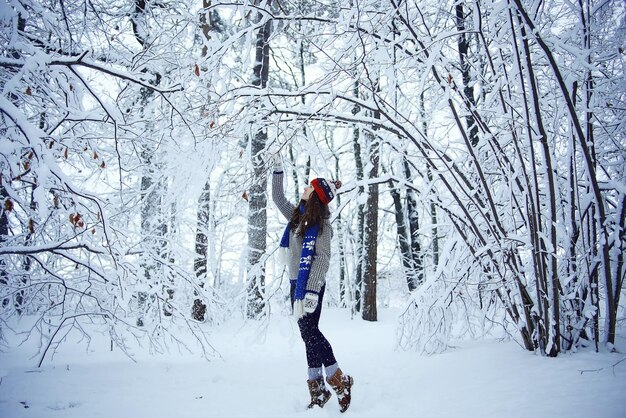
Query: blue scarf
(306,256)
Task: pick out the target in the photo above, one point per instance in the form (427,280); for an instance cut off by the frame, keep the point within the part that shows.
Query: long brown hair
(314,213)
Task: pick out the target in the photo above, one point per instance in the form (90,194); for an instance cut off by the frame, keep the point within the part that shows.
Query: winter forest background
(481,145)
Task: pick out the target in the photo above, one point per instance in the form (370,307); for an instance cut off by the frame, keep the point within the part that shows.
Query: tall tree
(257,215)
(369,310)
(360,227)
(198,310)
(153,222)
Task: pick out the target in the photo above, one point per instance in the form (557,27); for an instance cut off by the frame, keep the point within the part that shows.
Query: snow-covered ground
(263,374)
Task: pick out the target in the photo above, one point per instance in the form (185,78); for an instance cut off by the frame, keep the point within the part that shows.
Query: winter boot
(319,394)
(342,385)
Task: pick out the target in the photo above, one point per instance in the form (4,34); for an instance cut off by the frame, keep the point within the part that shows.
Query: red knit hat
(325,189)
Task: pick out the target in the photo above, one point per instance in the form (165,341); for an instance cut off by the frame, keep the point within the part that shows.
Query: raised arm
(278,194)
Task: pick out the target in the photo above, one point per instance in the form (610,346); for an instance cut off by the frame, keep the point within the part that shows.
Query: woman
(306,249)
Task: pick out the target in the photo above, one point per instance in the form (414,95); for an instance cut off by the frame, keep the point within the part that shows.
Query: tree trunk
(552,316)
(358,160)
(257,214)
(403,238)
(341,245)
(592,281)
(153,228)
(370,276)
(414,227)
(620,243)
(198,309)
(433,206)
(206,24)
(6,204)
(468,89)
(200,264)
(4,233)
(153,223)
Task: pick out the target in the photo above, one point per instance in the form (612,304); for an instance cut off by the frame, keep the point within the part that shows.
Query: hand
(310,302)
(277,163)
(305,306)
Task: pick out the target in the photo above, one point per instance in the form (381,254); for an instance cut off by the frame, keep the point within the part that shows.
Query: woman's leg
(318,353)
(318,350)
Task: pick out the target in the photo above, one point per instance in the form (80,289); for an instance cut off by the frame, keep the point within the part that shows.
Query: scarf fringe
(283,255)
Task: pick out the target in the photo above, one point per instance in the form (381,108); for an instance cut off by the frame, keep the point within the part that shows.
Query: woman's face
(306,194)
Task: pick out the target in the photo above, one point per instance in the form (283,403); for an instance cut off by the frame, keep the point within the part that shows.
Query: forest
(481,145)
